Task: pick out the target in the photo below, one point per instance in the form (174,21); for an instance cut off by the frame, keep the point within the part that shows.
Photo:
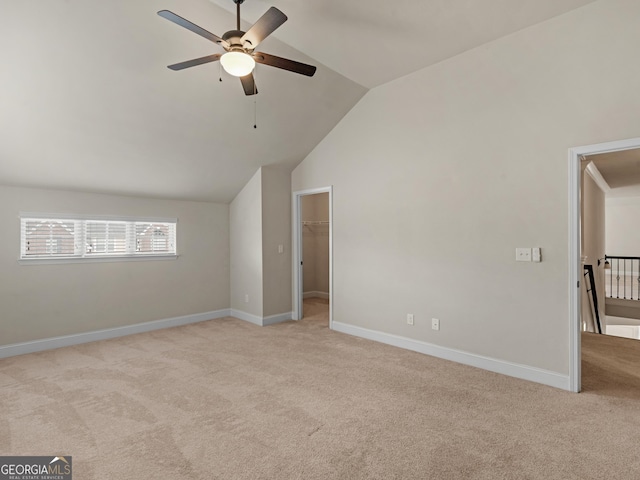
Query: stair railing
(622,277)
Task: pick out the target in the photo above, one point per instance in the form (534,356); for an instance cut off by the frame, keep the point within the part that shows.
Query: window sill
(96,259)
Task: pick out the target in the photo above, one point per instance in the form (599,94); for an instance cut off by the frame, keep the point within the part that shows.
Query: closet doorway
(313,254)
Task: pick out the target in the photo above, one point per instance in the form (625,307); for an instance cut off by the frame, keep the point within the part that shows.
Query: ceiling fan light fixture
(237,64)
(239,46)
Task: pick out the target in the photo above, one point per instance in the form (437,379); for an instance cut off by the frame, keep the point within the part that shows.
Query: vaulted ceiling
(87,103)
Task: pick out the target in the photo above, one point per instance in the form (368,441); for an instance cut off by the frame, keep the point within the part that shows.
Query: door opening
(611,203)
(312,253)
(576,273)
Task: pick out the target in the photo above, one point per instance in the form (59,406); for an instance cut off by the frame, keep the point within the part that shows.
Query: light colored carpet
(225,399)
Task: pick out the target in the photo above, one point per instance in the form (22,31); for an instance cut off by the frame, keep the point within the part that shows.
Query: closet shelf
(315,222)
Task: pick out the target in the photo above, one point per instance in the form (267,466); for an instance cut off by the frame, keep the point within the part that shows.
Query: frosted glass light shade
(237,64)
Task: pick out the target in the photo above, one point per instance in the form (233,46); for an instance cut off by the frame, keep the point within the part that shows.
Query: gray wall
(438,177)
(260,217)
(245,217)
(42,301)
(276,230)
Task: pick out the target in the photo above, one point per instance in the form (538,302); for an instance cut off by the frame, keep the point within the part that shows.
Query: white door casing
(575,265)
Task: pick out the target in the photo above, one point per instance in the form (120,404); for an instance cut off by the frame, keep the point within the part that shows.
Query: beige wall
(315,243)
(623,239)
(440,175)
(43,301)
(245,217)
(623,226)
(276,230)
(260,217)
(593,245)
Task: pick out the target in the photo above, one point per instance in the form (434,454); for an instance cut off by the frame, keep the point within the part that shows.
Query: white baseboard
(105,334)
(261,321)
(524,372)
(316,294)
(247,317)
(279,318)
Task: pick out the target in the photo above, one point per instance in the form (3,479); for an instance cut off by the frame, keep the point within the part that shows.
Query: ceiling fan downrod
(238,3)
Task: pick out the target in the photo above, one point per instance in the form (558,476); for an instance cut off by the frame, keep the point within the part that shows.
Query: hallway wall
(593,247)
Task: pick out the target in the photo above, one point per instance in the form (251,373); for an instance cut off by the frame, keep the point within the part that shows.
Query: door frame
(575,264)
(297,250)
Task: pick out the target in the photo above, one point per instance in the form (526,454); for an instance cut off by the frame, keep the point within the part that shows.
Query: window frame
(80,237)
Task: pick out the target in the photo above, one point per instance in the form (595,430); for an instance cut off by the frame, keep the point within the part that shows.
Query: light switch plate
(523,254)
(536,254)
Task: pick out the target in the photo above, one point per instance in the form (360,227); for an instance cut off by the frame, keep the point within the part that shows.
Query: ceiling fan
(240,56)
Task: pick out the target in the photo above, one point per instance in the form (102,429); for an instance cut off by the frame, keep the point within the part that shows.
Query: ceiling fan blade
(249,84)
(195,61)
(183,22)
(264,27)
(285,64)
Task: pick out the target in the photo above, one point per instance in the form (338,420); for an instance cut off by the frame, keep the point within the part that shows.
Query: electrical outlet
(246,298)
(435,324)
(409,318)
(523,254)
(280,248)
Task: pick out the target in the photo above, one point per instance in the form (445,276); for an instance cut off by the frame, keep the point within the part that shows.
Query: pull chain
(255,101)
(220,70)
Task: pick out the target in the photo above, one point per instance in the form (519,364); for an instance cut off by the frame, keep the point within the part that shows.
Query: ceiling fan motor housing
(234,39)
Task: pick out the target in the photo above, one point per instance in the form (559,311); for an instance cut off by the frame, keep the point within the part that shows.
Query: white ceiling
(621,170)
(375,41)
(87,103)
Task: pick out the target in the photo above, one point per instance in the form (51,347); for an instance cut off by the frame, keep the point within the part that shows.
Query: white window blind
(48,237)
(106,238)
(80,238)
(155,237)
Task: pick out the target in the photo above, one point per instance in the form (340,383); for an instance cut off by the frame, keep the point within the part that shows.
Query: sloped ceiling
(375,41)
(87,103)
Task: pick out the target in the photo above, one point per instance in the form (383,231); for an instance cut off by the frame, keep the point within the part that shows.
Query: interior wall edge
(261,321)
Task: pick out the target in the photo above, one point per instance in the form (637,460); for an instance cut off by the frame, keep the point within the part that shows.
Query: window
(50,237)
